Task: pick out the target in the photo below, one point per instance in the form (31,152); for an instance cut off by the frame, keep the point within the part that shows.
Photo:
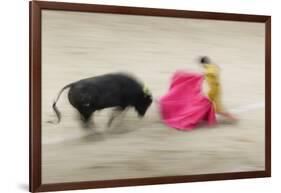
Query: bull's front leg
(115,113)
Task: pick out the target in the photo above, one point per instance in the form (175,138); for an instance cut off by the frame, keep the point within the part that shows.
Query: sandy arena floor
(79,45)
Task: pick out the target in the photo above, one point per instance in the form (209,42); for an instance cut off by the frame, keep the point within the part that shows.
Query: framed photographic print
(123,96)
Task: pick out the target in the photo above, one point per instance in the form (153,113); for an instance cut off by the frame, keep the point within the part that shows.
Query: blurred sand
(79,45)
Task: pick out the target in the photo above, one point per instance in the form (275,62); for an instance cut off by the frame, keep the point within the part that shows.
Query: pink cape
(184,106)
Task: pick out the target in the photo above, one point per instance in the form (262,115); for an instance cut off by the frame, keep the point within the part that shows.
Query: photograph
(139,96)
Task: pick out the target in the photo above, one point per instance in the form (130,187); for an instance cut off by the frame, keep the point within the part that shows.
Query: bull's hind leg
(86,115)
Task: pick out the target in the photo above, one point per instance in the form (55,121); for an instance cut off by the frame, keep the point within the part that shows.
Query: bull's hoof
(88,125)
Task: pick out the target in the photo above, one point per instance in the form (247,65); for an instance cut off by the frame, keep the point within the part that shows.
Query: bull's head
(143,102)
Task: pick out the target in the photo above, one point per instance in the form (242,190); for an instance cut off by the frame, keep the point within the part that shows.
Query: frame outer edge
(268,96)
(35,178)
(145,11)
(35,97)
(29,47)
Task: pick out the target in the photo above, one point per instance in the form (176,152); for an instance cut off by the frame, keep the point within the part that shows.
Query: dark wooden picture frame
(35,94)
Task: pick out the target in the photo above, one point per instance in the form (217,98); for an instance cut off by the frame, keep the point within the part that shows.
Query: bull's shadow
(114,123)
(122,122)
(104,125)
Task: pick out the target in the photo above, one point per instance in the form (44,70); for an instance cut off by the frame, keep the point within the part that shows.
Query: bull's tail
(56,110)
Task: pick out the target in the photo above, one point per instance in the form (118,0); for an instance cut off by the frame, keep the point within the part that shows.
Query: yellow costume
(212,76)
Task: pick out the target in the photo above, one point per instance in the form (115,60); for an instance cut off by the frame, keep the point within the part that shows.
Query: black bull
(110,90)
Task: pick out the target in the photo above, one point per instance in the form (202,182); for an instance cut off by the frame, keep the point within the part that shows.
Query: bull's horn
(146,90)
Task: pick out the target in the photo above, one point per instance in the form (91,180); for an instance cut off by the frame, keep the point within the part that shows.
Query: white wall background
(14,95)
